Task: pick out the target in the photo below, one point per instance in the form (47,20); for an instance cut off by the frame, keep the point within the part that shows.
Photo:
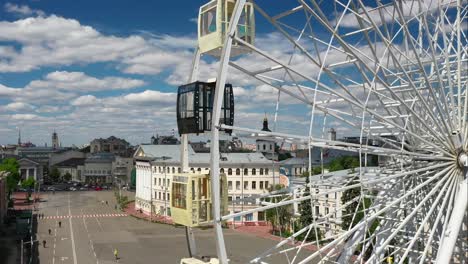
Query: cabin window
(179,191)
(208,21)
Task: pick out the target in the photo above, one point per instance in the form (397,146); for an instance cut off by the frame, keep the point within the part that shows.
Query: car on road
(98,188)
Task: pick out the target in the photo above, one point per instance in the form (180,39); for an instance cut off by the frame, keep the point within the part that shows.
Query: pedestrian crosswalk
(82,216)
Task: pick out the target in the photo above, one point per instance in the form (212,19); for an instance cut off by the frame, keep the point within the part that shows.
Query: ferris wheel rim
(446,161)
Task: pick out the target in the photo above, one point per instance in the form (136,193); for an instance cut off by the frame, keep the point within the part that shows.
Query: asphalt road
(91,230)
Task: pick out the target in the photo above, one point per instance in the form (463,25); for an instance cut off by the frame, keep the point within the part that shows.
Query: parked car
(83,189)
(98,188)
(72,189)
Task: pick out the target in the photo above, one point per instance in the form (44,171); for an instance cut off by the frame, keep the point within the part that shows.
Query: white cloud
(80,82)
(409,9)
(22,10)
(18,106)
(85,100)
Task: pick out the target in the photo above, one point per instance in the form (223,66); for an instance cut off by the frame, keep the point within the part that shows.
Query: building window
(266,171)
(179,170)
(246,171)
(261,185)
(173,170)
(168,197)
(155,181)
(199,170)
(237,171)
(249,217)
(168,182)
(264,147)
(229,185)
(271,147)
(159,195)
(317,211)
(246,185)
(159,181)
(229,171)
(326,210)
(261,171)
(254,185)
(266,184)
(221,170)
(160,169)
(254,171)
(237,185)
(230,198)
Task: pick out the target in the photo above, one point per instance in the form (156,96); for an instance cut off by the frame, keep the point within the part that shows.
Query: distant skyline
(91,69)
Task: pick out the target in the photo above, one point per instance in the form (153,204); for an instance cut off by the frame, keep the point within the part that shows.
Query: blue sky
(92,69)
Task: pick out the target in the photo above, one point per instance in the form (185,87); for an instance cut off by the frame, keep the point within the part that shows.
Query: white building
(248,175)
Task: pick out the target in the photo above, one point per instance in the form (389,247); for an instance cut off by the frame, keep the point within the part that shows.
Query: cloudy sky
(90,69)
(97,68)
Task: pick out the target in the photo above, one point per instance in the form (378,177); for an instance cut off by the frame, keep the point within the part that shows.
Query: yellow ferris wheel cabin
(213,23)
(191,198)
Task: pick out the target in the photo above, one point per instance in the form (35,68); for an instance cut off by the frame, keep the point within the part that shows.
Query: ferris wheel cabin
(191,198)
(195,107)
(213,23)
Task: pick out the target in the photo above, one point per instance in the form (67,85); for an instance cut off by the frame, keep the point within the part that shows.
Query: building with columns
(248,174)
(30,168)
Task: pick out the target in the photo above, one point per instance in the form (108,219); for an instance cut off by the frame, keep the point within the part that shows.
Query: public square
(91,230)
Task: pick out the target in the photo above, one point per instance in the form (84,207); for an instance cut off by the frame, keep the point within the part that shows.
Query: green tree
(54,174)
(29,184)
(11,165)
(315,171)
(306,218)
(279,217)
(67,176)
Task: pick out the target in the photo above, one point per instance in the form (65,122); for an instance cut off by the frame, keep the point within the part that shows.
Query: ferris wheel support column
(184,162)
(214,153)
(453,228)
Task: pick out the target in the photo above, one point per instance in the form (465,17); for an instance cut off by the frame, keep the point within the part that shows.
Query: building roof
(295,161)
(73,162)
(172,155)
(101,157)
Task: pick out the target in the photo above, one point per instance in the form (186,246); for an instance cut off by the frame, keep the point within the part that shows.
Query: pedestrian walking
(50,231)
(60,224)
(116,254)
(44,243)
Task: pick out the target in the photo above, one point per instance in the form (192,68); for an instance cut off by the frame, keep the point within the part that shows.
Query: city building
(30,168)
(98,168)
(64,155)
(73,166)
(265,144)
(164,140)
(112,145)
(248,176)
(122,169)
(55,140)
(3,196)
(39,154)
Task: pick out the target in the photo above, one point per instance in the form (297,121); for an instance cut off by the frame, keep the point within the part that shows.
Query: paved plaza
(91,230)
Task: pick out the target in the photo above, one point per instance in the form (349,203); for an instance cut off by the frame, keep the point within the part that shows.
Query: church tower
(55,140)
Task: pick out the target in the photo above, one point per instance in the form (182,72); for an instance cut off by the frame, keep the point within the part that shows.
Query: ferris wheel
(394,73)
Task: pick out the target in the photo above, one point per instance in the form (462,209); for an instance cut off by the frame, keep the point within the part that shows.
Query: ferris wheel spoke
(382,245)
(328,89)
(339,145)
(441,206)
(378,213)
(436,121)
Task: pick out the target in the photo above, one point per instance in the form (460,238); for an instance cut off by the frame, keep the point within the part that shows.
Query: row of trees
(55,175)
